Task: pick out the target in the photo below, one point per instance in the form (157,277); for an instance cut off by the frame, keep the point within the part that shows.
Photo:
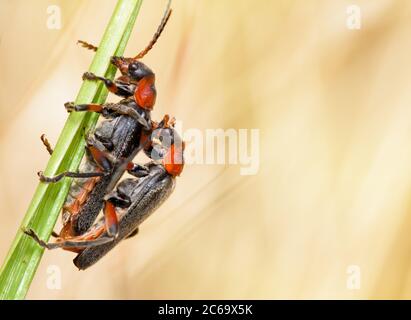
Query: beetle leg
(93,107)
(137,170)
(111,219)
(69,174)
(111,202)
(105,141)
(108,109)
(99,156)
(54,234)
(118,88)
(75,242)
(84,243)
(119,200)
(98,153)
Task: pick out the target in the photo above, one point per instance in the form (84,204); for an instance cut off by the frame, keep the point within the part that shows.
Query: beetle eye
(132,67)
(136,71)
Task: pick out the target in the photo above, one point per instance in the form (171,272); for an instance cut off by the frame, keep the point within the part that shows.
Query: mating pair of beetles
(110,149)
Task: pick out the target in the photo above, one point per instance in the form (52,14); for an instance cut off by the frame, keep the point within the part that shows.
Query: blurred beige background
(334,113)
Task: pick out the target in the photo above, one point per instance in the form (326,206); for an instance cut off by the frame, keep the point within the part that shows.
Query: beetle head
(168,147)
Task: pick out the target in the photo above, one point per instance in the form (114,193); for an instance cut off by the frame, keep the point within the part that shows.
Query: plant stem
(24,255)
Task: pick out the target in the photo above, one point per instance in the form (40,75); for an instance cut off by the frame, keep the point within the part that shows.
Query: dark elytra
(146,195)
(123,133)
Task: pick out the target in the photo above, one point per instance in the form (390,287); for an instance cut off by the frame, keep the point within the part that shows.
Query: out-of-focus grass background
(334,113)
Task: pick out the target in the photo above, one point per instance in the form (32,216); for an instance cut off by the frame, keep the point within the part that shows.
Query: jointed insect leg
(108,109)
(99,154)
(111,219)
(50,150)
(137,170)
(54,234)
(75,242)
(120,89)
(69,174)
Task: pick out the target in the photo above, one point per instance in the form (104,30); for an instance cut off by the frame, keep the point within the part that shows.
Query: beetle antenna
(164,20)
